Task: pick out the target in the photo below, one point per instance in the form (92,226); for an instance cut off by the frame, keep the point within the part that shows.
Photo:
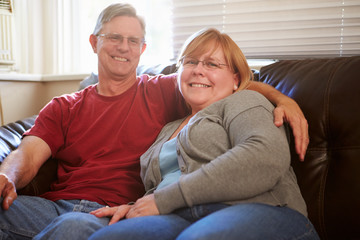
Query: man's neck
(110,87)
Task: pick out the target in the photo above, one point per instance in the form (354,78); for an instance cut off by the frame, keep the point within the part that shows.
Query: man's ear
(143,48)
(93,41)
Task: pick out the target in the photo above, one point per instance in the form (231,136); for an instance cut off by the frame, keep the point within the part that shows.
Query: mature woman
(223,172)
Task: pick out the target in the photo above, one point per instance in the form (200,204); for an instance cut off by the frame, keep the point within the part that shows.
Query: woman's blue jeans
(63,219)
(215,222)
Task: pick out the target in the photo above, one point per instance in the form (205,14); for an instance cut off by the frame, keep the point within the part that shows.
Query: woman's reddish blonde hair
(203,41)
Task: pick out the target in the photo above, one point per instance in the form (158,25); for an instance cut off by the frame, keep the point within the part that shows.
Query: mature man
(98,135)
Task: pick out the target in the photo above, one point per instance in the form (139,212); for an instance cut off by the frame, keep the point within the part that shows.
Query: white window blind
(275,29)
(46,34)
(6,35)
(5,4)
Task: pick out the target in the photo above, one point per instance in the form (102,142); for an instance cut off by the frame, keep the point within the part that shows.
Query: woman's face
(203,83)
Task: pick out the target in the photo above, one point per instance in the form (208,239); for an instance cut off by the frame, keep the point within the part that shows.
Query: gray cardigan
(229,152)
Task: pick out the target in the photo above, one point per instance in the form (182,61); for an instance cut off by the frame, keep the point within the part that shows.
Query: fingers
(8,200)
(116,213)
(104,212)
(7,191)
(144,206)
(120,213)
(132,213)
(302,139)
(279,116)
(299,126)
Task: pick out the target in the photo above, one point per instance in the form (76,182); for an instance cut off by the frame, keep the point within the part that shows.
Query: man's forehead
(125,25)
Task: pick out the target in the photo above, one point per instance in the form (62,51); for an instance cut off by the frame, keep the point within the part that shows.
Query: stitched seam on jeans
(17,231)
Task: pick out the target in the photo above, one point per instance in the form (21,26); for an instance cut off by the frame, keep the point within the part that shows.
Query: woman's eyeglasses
(189,62)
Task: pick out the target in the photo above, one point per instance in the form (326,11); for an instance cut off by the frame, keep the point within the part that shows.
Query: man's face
(119,46)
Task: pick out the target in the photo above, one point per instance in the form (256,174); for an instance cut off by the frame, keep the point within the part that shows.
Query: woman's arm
(286,110)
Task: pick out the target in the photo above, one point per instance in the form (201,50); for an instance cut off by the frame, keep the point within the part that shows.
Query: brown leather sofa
(328,91)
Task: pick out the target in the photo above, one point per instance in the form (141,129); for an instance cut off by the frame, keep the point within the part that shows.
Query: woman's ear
(236,81)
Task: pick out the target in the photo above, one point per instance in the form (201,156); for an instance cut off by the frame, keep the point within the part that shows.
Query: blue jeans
(64,219)
(242,221)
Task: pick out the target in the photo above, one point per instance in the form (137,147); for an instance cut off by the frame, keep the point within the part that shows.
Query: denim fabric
(192,214)
(28,216)
(252,221)
(242,221)
(159,227)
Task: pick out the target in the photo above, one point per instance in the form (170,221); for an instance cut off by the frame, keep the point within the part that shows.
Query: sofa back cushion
(328,92)
(10,135)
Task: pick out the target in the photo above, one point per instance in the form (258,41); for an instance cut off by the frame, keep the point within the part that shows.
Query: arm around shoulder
(286,110)
(273,95)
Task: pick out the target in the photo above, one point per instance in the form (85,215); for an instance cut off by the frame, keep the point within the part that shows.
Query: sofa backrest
(328,92)
(10,135)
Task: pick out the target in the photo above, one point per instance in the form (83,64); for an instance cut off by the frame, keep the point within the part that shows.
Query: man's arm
(286,110)
(20,167)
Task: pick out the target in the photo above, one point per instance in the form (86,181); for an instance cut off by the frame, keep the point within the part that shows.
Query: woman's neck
(182,125)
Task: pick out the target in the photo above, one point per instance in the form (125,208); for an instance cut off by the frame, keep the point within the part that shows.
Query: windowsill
(42,78)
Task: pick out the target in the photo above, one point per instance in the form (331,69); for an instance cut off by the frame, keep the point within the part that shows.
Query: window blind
(6,36)
(275,29)
(6,5)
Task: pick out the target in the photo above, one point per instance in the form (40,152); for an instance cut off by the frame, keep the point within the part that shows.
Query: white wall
(27,94)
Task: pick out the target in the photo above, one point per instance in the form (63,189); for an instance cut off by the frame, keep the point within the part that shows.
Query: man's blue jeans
(63,219)
(215,222)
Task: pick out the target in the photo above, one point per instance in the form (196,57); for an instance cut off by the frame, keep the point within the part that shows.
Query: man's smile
(121,59)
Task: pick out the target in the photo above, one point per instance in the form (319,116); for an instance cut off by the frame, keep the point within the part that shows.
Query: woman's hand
(144,206)
(289,111)
(116,213)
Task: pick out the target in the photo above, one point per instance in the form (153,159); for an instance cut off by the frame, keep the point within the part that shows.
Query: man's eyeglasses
(189,62)
(115,38)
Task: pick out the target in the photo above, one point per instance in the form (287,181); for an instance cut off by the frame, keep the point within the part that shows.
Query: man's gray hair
(115,10)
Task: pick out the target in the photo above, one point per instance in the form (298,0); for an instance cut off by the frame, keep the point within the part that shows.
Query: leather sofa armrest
(10,138)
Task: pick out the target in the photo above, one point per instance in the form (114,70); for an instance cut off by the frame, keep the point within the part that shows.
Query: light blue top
(169,166)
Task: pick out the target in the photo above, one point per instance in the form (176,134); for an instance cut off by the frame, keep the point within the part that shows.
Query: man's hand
(8,191)
(144,206)
(290,112)
(116,213)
